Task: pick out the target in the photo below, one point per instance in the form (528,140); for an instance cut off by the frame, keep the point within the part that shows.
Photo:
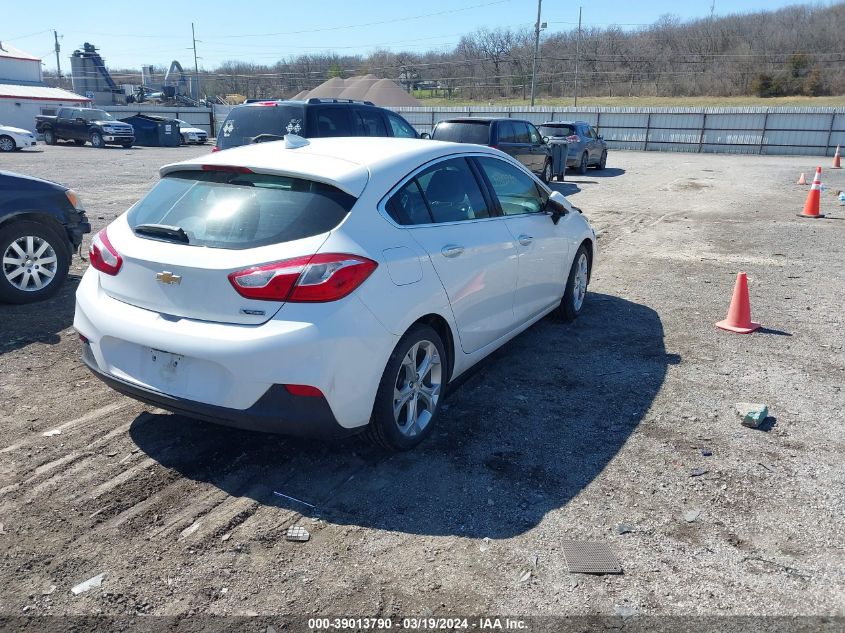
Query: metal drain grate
(584,557)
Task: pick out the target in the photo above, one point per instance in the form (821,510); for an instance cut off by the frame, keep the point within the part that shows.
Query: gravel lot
(564,434)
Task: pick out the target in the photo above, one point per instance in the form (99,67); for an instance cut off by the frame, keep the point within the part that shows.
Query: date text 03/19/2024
(417,624)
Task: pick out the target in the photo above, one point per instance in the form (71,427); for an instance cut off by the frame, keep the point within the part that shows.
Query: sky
(130,35)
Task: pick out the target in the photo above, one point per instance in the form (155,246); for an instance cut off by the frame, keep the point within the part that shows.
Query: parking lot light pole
(196,65)
(536,49)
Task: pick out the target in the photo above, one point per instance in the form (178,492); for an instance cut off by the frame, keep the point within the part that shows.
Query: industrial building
(23,93)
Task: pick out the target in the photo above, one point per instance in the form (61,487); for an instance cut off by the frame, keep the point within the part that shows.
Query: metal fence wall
(750,130)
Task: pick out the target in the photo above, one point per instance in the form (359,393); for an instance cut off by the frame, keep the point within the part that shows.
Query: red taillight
(313,278)
(304,390)
(215,149)
(103,256)
(573,138)
(232,168)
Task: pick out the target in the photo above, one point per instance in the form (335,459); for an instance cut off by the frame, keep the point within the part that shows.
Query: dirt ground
(566,433)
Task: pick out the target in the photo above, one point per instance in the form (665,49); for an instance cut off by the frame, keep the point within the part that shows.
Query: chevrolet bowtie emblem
(169,278)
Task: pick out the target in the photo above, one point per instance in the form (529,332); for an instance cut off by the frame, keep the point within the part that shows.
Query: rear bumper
(277,411)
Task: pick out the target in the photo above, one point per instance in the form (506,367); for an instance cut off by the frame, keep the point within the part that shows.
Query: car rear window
(225,209)
(244,123)
(477,132)
(557,130)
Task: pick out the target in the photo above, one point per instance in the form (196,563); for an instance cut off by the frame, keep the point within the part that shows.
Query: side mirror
(546,140)
(557,206)
(600,137)
(425,135)
(79,119)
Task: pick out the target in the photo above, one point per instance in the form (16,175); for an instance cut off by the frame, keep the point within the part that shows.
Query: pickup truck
(85,124)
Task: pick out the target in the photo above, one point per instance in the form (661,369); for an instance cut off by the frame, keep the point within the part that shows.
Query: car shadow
(39,322)
(522,436)
(607,172)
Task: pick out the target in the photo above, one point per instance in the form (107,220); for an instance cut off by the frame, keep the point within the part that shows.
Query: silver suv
(586,147)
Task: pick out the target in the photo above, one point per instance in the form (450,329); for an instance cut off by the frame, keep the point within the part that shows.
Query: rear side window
(244,123)
(477,132)
(521,131)
(331,122)
(370,122)
(223,209)
(445,192)
(507,134)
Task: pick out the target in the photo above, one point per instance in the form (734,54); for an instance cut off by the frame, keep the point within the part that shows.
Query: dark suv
(515,137)
(271,120)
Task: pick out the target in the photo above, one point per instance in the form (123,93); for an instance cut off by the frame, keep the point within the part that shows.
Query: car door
(542,246)
(539,150)
(525,150)
(471,248)
(64,123)
(592,143)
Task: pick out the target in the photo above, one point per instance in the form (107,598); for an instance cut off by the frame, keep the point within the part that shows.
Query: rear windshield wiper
(163,230)
(263,138)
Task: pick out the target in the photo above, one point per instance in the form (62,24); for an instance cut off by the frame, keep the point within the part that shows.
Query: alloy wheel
(579,290)
(30,263)
(417,388)
(6,144)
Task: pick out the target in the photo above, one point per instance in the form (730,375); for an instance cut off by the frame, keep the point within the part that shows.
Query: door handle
(452,250)
(525,240)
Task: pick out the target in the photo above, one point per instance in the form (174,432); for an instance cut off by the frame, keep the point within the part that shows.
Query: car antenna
(292,141)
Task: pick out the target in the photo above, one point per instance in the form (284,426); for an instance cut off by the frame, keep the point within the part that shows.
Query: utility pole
(536,49)
(196,65)
(577,55)
(58,63)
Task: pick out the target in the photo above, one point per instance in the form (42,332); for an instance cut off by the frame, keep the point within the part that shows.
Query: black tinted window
(244,123)
(521,132)
(517,192)
(452,192)
(332,122)
(507,134)
(535,135)
(557,130)
(407,206)
(223,209)
(400,126)
(477,132)
(370,122)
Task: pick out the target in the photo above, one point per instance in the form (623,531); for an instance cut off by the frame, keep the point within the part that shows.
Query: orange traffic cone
(836,164)
(739,314)
(811,206)
(802,180)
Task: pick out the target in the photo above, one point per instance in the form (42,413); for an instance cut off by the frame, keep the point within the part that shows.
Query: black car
(85,124)
(271,120)
(41,225)
(515,137)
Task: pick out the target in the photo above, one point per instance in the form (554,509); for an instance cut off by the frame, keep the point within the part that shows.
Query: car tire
(603,161)
(97,140)
(572,302)
(50,137)
(78,142)
(394,428)
(546,174)
(50,268)
(582,166)
(7,144)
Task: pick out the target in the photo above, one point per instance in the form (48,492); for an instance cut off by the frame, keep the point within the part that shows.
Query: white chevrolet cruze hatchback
(324,287)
